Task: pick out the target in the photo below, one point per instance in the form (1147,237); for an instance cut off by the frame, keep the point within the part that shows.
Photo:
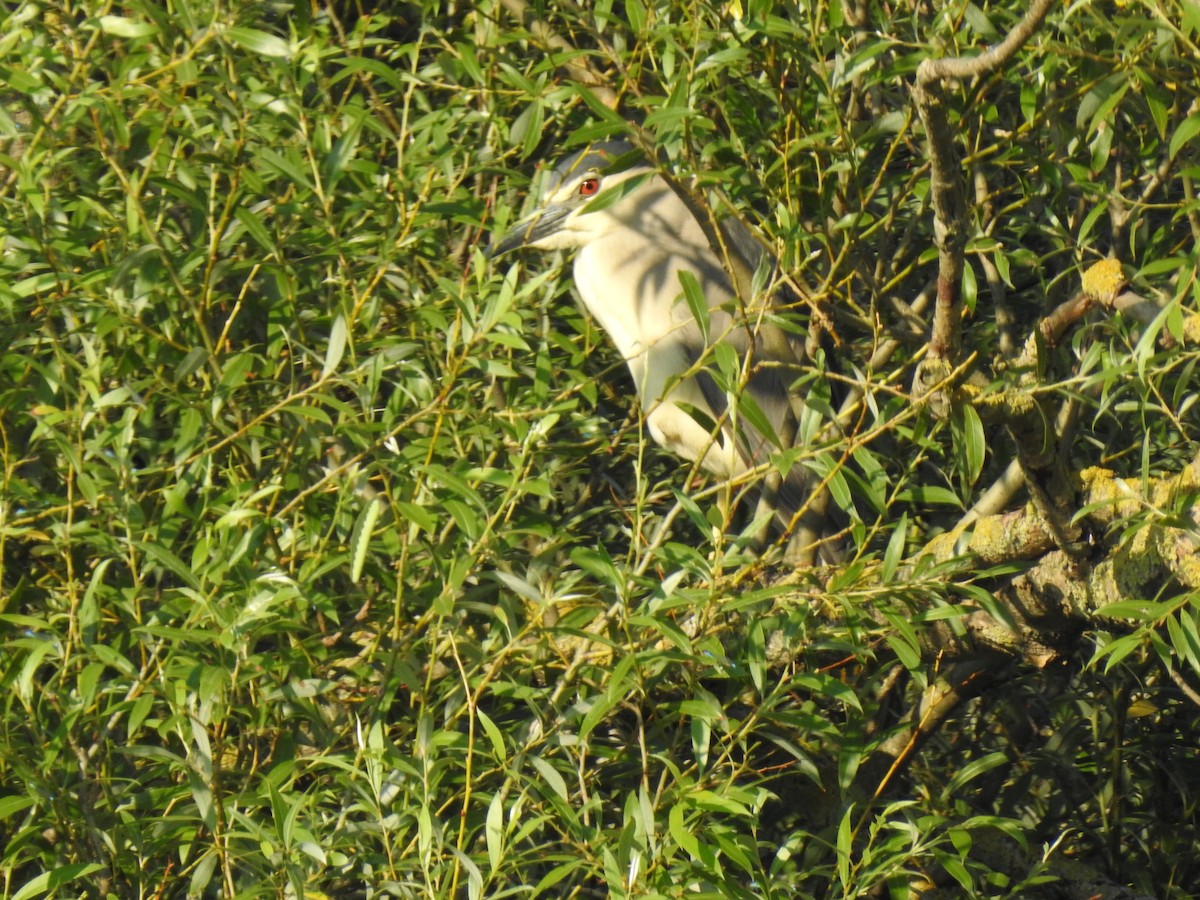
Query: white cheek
(575,231)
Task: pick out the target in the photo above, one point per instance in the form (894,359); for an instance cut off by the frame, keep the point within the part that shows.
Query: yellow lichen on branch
(1104,280)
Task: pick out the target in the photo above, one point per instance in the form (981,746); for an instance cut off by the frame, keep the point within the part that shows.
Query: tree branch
(950,218)
(961,68)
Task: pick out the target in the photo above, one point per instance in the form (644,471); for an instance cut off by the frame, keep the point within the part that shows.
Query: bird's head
(578,199)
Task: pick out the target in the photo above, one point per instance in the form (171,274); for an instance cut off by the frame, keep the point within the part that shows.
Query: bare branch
(962,68)
(950,217)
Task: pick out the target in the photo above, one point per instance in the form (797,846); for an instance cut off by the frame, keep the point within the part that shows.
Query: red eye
(589,187)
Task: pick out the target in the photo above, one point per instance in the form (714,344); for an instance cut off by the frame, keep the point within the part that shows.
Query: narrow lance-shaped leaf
(360,538)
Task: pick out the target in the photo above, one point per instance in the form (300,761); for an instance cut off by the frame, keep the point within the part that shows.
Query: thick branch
(1037,616)
(961,681)
(950,217)
(961,68)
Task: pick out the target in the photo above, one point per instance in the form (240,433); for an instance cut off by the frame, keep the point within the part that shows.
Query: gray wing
(769,387)
(777,367)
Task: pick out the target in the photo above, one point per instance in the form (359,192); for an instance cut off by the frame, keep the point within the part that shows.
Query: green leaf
(970,287)
(844,846)
(343,150)
(360,538)
(681,831)
(526,129)
(715,802)
(125,27)
(931,494)
(170,563)
(494,734)
(48,882)
(635,11)
(974,444)
(1138,610)
(336,347)
(615,693)
(701,734)
(1184,134)
(494,831)
(973,770)
(550,777)
(904,641)
(831,688)
(12,805)
(259,42)
(895,549)
(697,303)
(288,168)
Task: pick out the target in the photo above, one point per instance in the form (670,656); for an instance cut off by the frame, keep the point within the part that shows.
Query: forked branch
(946,181)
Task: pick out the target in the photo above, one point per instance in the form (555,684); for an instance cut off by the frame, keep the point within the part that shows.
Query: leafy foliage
(334,561)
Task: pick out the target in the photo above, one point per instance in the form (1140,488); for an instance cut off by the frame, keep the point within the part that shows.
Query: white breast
(631,286)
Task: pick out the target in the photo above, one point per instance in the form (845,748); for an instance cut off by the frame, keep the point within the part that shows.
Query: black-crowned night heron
(638,247)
